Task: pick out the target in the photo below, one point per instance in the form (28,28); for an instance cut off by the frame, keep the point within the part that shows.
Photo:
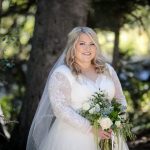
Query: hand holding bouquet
(107,116)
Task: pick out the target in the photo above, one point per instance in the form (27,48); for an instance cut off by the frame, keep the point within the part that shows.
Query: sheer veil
(44,116)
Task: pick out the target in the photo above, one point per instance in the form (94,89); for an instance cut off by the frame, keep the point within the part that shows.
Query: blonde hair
(73,36)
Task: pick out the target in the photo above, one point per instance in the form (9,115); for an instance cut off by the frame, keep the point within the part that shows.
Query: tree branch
(139,19)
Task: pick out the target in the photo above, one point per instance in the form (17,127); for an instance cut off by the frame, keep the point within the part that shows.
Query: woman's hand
(103,134)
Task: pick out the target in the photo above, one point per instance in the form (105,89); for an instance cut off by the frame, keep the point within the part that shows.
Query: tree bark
(54,19)
(116,48)
(1,6)
(0,9)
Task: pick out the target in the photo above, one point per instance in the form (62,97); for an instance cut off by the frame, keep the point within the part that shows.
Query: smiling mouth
(87,54)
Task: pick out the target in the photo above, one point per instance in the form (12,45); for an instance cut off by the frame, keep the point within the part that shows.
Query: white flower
(97,105)
(105,123)
(86,106)
(92,110)
(97,108)
(118,123)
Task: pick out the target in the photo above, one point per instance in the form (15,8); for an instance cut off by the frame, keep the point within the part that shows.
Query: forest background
(33,35)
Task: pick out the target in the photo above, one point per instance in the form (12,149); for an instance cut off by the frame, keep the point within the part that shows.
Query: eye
(82,43)
(92,44)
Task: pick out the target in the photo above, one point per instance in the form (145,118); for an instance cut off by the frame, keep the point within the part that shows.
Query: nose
(87,47)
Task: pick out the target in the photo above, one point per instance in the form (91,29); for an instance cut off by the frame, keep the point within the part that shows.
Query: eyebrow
(85,42)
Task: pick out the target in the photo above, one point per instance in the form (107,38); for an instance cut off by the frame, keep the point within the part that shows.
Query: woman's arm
(118,88)
(60,97)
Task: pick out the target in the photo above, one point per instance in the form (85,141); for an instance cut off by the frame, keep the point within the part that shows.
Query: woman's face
(85,49)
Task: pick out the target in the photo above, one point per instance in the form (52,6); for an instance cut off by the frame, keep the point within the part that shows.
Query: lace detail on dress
(60,97)
(118,88)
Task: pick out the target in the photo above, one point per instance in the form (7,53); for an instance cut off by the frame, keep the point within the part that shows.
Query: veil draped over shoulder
(44,116)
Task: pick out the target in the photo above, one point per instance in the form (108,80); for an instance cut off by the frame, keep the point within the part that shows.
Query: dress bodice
(83,88)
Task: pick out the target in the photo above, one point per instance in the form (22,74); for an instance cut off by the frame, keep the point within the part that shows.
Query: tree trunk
(0,9)
(116,48)
(54,19)
(1,6)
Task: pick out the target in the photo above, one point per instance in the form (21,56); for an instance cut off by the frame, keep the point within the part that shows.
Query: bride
(78,73)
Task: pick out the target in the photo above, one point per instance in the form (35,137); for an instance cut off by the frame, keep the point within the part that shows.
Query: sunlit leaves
(19,2)
(15,33)
(5,5)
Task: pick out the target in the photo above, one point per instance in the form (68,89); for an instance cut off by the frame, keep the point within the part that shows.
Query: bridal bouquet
(106,115)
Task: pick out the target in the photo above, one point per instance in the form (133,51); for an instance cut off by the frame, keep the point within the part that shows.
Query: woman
(80,71)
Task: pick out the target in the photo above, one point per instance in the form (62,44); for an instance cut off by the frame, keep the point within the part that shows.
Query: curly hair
(73,36)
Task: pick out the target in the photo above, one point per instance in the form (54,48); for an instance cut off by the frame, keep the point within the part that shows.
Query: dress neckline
(90,80)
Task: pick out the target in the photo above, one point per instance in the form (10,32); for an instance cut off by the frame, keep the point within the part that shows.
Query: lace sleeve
(60,96)
(118,88)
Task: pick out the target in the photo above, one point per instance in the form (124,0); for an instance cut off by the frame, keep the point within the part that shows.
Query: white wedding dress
(67,93)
